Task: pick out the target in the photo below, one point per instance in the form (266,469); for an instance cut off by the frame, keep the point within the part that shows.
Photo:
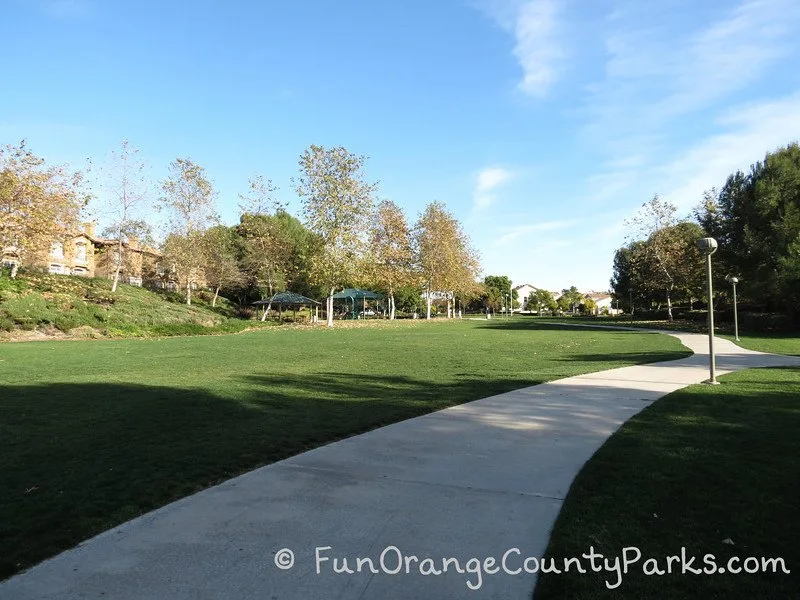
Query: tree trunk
(391,307)
(330,308)
(266,311)
(214,300)
(119,260)
(116,278)
(428,302)
(669,305)
(188,292)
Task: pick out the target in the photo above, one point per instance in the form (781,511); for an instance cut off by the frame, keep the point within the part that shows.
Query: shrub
(6,324)
(67,321)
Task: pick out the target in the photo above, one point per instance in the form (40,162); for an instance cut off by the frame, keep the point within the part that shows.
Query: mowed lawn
(713,469)
(94,433)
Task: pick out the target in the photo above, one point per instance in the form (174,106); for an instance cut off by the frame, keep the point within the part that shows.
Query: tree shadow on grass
(629,358)
(78,459)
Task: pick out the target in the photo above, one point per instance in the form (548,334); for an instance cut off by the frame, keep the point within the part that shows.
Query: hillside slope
(57,305)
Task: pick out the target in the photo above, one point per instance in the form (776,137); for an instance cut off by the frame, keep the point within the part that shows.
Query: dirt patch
(35,335)
(85,332)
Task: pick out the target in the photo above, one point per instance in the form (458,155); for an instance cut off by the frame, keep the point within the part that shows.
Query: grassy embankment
(56,305)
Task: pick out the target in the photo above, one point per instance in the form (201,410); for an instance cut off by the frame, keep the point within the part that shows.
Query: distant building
(523,292)
(86,255)
(604,302)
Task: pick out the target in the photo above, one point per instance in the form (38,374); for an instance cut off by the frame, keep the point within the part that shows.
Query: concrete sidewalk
(473,481)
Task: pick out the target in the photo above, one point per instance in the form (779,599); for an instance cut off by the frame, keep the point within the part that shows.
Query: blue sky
(542,124)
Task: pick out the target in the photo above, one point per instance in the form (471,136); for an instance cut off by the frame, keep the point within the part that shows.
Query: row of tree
(755,217)
(346,237)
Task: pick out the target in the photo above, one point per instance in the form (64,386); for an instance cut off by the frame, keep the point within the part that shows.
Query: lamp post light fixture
(733,281)
(708,246)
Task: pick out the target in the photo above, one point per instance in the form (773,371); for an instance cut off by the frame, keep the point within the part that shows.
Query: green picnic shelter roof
(287,298)
(355,293)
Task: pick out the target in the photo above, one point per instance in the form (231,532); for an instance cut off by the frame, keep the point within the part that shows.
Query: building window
(80,271)
(57,250)
(56,269)
(80,251)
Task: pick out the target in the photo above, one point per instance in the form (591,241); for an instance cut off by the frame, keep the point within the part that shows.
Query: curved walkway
(472,481)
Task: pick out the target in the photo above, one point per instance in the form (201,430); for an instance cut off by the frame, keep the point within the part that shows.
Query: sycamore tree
(664,249)
(39,204)
(126,198)
(264,250)
(188,197)
(445,256)
(391,252)
(337,203)
(220,263)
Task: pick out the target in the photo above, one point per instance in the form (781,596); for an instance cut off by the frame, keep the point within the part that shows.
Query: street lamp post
(708,246)
(733,281)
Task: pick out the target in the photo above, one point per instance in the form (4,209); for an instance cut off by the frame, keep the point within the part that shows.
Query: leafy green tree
(496,291)
(221,265)
(628,283)
(408,298)
(541,300)
(570,299)
(755,217)
(337,203)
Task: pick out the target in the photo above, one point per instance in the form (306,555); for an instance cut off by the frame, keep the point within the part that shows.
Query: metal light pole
(733,281)
(708,246)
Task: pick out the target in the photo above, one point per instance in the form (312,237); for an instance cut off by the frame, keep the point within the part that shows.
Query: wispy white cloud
(748,132)
(537,47)
(513,234)
(654,72)
(663,85)
(486,183)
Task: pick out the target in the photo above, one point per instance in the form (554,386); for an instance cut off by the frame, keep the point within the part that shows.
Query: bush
(68,321)
(6,324)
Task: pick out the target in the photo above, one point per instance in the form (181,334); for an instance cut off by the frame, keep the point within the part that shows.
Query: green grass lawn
(776,343)
(698,467)
(96,432)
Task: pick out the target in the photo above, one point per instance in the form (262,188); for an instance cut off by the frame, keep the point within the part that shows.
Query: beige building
(84,254)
